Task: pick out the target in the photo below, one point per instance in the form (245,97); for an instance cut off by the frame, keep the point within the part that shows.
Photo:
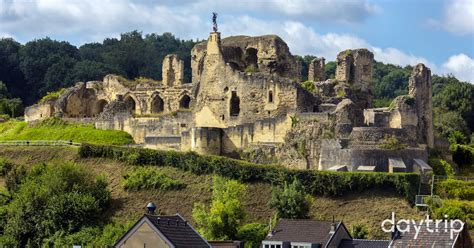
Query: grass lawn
(55,129)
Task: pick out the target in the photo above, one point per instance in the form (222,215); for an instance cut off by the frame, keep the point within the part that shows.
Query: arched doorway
(131,104)
(184,102)
(157,105)
(100,105)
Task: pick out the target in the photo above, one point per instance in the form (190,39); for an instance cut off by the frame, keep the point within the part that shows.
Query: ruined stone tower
(354,68)
(316,70)
(419,87)
(173,70)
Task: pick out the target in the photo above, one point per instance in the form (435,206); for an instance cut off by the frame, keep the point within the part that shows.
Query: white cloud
(460,65)
(458,17)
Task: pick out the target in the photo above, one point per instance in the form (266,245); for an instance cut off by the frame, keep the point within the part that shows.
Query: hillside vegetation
(56,129)
(126,205)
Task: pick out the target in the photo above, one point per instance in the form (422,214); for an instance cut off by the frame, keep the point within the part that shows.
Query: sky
(438,33)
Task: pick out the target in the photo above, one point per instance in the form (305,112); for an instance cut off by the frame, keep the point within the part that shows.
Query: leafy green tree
(447,122)
(330,69)
(457,96)
(36,59)
(54,198)
(359,231)
(226,214)
(10,72)
(290,201)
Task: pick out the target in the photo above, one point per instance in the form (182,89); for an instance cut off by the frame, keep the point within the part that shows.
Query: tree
(36,59)
(52,199)
(330,69)
(226,213)
(290,201)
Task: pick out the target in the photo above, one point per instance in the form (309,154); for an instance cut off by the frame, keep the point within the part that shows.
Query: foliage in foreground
(56,129)
(290,202)
(224,219)
(226,213)
(315,182)
(150,178)
(52,200)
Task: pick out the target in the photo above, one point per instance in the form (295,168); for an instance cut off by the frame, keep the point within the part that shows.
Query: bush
(315,182)
(309,86)
(5,166)
(252,234)
(52,96)
(290,201)
(54,199)
(391,143)
(441,167)
(226,213)
(456,189)
(455,209)
(150,178)
(359,231)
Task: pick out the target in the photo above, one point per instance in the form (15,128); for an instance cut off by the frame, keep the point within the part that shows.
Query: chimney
(333,226)
(151,207)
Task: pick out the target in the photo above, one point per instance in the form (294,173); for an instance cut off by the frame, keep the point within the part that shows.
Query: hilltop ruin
(246,100)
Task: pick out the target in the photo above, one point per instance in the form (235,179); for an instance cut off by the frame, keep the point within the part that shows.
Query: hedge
(315,182)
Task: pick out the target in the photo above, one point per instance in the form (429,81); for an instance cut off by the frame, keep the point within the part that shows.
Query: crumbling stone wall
(354,67)
(173,71)
(419,87)
(316,70)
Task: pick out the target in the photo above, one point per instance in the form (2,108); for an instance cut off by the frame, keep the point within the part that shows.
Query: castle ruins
(246,101)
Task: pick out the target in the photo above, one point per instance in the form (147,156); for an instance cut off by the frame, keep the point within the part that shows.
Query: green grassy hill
(56,129)
(127,206)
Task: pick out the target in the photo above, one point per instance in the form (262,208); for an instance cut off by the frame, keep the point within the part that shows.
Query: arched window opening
(184,102)
(157,105)
(101,105)
(130,102)
(234,104)
(270,96)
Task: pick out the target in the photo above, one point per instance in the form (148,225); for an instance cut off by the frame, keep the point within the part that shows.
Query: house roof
(363,243)
(302,230)
(172,228)
(178,231)
(426,238)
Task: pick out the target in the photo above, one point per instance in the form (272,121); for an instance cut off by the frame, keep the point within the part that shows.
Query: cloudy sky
(439,33)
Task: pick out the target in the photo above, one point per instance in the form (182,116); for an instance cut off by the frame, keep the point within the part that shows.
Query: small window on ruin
(130,104)
(222,117)
(226,89)
(251,56)
(184,102)
(234,104)
(157,105)
(270,96)
(183,125)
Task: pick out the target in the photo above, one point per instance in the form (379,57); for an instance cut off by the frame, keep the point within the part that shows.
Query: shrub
(456,189)
(290,202)
(251,68)
(455,209)
(150,178)
(441,167)
(52,96)
(226,213)
(315,182)
(53,199)
(309,86)
(359,231)
(252,234)
(391,143)
(5,166)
